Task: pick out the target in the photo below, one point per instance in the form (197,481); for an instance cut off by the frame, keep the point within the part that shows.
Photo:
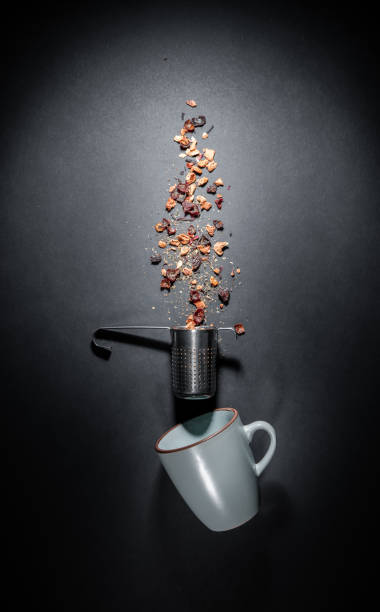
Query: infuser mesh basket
(193,357)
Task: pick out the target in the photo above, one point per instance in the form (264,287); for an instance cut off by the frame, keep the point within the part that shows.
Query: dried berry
(196,262)
(155,259)
(211,188)
(199,121)
(198,316)
(224,295)
(239,329)
(171,230)
(165,283)
(218,224)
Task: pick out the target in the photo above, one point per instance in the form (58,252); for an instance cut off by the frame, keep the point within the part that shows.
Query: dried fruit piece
(197,170)
(213,281)
(187,271)
(179,264)
(211,188)
(211,166)
(165,283)
(196,262)
(232,273)
(162,244)
(184,250)
(159,227)
(219,182)
(219,246)
(210,229)
(224,295)
(191,189)
(202,163)
(172,274)
(200,304)
(206,205)
(209,154)
(238,270)
(188,126)
(184,238)
(198,316)
(239,329)
(190,322)
(171,230)
(175,242)
(199,121)
(194,296)
(216,270)
(163,271)
(192,152)
(191,177)
(191,230)
(218,224)
(219,201)
(204,135)
(221,306)
(170,204)
(201,198)
(205,250)
(155,259)
(202,181)
(191,103)
(184,142)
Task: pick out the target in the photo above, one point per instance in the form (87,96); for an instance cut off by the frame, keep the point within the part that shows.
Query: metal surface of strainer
(193,358)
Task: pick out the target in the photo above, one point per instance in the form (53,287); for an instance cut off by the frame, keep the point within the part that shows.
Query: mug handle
(250,430)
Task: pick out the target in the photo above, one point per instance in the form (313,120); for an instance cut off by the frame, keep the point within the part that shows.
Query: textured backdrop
(92,98)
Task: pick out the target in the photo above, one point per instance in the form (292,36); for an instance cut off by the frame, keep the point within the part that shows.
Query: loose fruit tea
(190,244)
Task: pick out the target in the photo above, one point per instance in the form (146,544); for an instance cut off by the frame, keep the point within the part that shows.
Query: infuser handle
(108,349)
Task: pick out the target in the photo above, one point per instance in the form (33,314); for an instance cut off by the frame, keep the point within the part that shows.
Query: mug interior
(196,430)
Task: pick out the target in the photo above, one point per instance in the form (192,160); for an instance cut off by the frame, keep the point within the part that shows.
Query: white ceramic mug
(210,461)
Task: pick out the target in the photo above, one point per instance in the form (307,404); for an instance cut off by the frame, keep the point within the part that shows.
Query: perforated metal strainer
(193,358)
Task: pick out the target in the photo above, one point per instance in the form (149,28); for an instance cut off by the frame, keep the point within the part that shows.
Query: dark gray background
(89,109)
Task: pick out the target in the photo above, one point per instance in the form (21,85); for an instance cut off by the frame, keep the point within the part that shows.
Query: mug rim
(182,448)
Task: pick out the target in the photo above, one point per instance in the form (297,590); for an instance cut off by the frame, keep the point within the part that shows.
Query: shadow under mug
(210,462)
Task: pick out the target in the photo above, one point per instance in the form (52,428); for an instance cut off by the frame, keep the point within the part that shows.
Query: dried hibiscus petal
(224,295)
(218,224)
(219,201)
(239,329)
(198,121)
(198,316)
(171,230)
(155,259)
(191,230)
(165,283)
